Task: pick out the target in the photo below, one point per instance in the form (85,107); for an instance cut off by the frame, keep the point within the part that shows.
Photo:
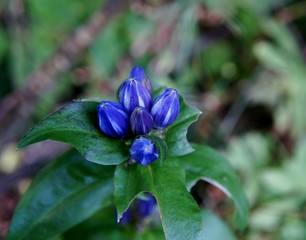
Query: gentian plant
(133,146)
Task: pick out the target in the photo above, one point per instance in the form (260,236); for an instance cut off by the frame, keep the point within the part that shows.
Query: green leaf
(62,195)
(77,124)
(214,228)
(180,215)
(207,164)
(176,138)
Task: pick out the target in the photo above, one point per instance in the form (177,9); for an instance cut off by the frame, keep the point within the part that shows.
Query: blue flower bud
(165,109)
(133,94)
(113,120)
(144,151)
(146,205)
(139,74)
(141,121)
(126,217)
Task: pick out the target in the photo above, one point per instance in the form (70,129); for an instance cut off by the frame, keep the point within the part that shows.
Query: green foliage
(52,21)
(176,138)
(215,228)
(104,56)
(207,164)
(77,124)
(3,43)
(222,50)
(186,33)
(291,90)
(65,193)
(229,56)
(177,208)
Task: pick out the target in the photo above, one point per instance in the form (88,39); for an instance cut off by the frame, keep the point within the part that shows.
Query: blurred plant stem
(19,39)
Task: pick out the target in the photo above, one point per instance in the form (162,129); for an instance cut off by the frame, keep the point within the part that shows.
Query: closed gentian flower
(144,151)
(133,94)
(113,120)
(126,217)
(146,206)
(139,74)
(141,121)
(165,108)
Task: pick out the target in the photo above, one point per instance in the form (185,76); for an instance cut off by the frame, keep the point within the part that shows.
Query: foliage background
(241,62)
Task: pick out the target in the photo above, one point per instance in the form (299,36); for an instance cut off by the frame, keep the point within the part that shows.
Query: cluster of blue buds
(137,114)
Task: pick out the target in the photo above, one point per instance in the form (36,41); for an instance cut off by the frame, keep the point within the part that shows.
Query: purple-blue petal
(113,120)
(144,151)
(126,217)
(146,206)
(165,108)
(146,82)
(137,73)
(141,121)
(133,94)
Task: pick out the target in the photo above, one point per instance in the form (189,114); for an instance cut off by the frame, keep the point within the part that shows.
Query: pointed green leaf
(62,195)
(77,124)
(207,164)
(176,138)
(180,215)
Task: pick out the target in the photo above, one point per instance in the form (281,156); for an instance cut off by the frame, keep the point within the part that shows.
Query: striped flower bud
(133,94)
(113,120)
(165,108)
(141,121)
(144,151)
(139,74)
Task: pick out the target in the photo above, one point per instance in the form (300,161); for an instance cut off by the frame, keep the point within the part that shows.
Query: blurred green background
(242,62)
